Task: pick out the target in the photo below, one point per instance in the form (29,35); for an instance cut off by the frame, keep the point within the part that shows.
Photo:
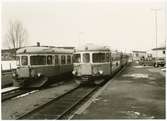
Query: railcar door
(86,65)
(62,63)
(110,60)
(23,70)
(57,64)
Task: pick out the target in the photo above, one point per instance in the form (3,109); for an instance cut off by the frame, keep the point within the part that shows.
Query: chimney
(38,44)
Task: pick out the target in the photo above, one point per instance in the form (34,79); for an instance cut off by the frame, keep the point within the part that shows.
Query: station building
(137,55)
(8,54)
(159,52)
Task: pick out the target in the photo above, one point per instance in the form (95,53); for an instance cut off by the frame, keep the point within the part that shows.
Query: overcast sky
(122,25)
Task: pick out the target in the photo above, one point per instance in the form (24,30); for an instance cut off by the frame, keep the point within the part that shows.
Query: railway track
(7,94)
(13,93)
(61,106)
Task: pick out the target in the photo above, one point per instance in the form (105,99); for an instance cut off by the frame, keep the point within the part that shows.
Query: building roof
(139,51)
(159,48)
(9,50)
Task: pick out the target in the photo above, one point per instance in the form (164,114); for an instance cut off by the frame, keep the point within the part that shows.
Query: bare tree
(16,35)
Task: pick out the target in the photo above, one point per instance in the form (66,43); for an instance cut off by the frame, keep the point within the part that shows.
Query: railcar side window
(56,59)
(49,59)
(86,57)
(107,57)
(24,60)
(68,59)
(76,58)
(38,60)
(98,57)
(63,59)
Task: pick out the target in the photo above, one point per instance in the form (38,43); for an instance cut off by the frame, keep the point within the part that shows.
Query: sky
(124,25)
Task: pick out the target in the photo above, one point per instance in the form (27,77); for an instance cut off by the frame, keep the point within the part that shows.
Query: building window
(163,52)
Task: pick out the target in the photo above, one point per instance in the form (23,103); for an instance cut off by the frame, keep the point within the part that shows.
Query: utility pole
(79,37)
(156,26)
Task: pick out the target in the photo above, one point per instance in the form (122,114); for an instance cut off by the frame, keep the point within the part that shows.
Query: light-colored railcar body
(96,64)
(38,65)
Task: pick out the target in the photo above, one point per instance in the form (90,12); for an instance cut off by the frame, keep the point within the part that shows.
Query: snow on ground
(136,75)
(8,89)
(163,69)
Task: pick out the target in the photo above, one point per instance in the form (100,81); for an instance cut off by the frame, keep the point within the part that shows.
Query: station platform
(138,92)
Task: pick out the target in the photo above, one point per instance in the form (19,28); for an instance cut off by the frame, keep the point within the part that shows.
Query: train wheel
(99,82)
(17,83)
(78,82)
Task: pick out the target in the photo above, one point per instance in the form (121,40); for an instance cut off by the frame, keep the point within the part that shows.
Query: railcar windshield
(86,57)
(38,60)
(18,60)
(76,58)
(24,60)
(98,57)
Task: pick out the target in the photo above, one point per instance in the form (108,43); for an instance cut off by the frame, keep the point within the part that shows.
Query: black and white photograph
(83,59)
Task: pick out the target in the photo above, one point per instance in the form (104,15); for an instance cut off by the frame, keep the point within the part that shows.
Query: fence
(8,65)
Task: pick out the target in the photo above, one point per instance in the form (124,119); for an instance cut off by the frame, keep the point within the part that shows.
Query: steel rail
(60,106)
(13,93)
(40,107)
(76,103)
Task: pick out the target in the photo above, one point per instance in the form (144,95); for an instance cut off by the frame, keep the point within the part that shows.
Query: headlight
(100,72)
(14,75)
(38,74)
(74,72)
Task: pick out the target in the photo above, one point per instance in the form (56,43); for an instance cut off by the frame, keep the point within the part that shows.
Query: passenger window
(49,60)
(38,60)
(63,59)
(56,59)
(24,60)
(86,57)
(68,59)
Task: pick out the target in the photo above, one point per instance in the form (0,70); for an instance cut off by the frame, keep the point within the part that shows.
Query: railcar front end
(39,66)
(91,66)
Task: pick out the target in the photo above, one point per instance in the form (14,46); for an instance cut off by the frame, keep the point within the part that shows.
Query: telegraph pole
(156,26)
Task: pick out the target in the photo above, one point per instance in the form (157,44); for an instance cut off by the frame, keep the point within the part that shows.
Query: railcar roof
(43,50)
(92,48)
